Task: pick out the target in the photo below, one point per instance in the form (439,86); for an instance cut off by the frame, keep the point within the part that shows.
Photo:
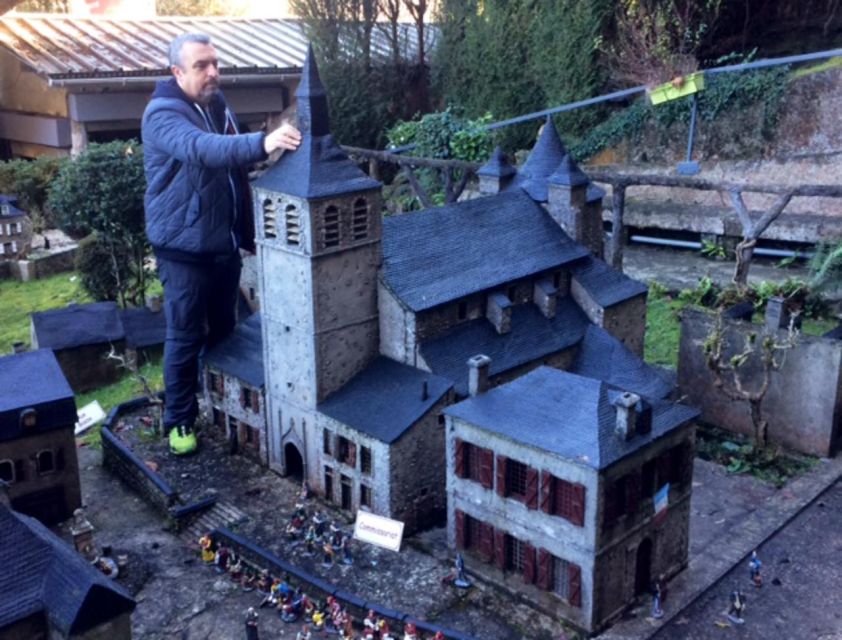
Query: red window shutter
(352,454)
(528,563)
(531,488)
(501,476)
(243,397)
(255,402)
(632,492)
(574,575)
(460,530)
(577,516)
(544,570)
(486,546)
(486,468)
(459,458)
(547,490)
(500,549)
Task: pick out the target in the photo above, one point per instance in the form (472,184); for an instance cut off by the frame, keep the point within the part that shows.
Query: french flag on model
(661,502)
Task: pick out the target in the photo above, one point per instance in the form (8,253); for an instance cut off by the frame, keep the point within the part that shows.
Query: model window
(365,460)
(327,438)
(292,221)
(365,496)
(462,311)
(472,532)
(331,227)
(515,478)
(648,479)
(347,452)
(515,554)
(4,209)
(28,418)
(359,220)
(44,462)
(561,578)
(328,484)
(7,471)
(245,397)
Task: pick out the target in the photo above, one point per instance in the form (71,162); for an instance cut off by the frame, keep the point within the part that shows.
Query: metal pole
(688,167)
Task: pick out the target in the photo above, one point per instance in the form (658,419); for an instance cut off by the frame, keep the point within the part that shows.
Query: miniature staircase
(222,514)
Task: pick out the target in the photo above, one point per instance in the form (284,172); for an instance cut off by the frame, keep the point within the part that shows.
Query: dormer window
(331,227)
(45,462)
(4,209)
(28,418)
(359,220)
(270,219)
(292,220)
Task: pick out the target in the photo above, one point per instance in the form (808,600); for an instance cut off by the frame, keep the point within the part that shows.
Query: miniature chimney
(626,405)
(18,347)
(499,312)
(496,174)
(425,393)
(778,316)
(83,534)
(544,295)
(478,366)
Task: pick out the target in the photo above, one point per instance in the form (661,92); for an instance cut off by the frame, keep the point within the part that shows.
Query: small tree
(737,375)
(102,191)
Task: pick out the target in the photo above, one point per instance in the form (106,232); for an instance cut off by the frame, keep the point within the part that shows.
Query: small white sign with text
(88,416)
(379,531)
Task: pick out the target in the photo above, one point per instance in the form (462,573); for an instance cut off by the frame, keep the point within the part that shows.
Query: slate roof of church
(606,285)
(12,203)
(531,338)
(565,414)
(241,353)
(51,577)
(33,379)
(437,255)
(318,168)
(143,327)
(385,399)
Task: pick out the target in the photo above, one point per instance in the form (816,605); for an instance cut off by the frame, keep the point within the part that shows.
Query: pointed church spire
(312,99)
(546,154)
(568,173)
(497,166)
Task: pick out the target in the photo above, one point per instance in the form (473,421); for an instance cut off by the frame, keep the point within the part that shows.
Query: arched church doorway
(293,463)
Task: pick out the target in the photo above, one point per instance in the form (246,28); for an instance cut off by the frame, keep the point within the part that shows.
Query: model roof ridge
(319,168)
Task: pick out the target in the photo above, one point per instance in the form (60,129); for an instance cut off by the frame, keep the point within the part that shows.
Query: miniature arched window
(359,220)
(28,418)
(331,226)
(7,471)
(270,219)
(44,462)
(292,221)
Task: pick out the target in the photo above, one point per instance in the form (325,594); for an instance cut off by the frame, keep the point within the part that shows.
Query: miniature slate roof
(241,353)
(385,399)
(318,168)
(605,285)
(497,165)
(545,155)
(51,577)
(33,379)
(565,414)
(604,357)
(143,327)
(78,325)
(568,173)
(532,337)
(437,255)
(14,210)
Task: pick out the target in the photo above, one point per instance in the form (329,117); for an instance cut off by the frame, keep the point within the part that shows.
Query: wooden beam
(41,130)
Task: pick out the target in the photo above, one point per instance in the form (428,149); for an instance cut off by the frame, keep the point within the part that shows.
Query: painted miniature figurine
(304,494)
(439,636)
(345,547)
(249,580)
(657,611)
(206,544)
(370,628)
(320,523)
(264,583)
(251,624)
(310,540)
(385,631)
(738,605)
(235,569)
(319,617)
(222,559)
(410,632)
(754,565)
(327,561)
(461,579)
(304,634)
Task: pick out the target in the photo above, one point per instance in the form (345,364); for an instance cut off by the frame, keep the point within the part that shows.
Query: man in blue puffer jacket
(197,215)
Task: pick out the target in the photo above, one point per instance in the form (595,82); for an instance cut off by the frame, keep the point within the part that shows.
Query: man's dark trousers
(200,300)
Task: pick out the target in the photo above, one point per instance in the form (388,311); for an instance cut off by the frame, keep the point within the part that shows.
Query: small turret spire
(312,99)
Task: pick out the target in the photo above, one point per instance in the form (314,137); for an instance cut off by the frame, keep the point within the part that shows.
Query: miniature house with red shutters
(568,490)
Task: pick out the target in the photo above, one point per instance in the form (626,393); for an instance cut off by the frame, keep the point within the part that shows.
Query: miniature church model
(371,327)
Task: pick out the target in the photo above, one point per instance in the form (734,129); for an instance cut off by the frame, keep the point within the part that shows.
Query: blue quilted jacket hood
(195,191)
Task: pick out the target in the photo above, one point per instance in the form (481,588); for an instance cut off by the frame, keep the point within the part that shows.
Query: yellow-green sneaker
(182,441)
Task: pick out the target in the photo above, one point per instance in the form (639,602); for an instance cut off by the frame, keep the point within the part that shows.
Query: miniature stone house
(234,389)
(368,322)
(550,480)
(15,229)
(37,445)
(55,592)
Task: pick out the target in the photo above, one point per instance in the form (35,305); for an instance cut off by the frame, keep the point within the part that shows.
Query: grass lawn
(19,299)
